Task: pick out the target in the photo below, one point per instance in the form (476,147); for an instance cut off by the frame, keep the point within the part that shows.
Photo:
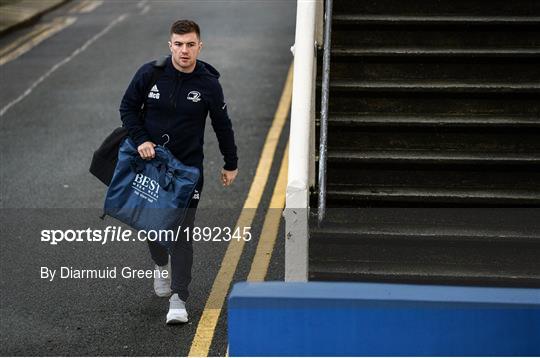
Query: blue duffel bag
(150,194)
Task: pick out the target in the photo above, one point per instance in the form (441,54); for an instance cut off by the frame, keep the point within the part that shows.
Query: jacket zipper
(173,99)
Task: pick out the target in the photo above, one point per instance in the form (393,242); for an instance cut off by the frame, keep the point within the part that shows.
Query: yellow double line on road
(200,345)
(42,32)
(85,6)
(269,232)
(37,35)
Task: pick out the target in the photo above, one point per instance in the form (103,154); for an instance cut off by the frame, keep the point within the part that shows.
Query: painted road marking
(145,10)
(85,6)
(90,5)
(63,62)
(33,38)
(200,345)
(269,232)
(76,7)
(21,40)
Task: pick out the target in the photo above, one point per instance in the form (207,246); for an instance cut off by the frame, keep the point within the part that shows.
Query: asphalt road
(75,81)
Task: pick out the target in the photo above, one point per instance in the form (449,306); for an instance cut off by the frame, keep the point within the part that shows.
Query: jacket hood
(206,67)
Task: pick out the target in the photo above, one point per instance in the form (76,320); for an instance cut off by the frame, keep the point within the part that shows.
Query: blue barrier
(367,319)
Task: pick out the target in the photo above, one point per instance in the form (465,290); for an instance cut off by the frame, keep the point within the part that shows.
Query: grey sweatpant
(182,251)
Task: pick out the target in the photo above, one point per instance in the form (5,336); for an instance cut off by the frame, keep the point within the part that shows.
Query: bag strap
(158,68)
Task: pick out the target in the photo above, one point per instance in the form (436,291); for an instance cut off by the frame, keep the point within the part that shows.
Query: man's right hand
(146,150)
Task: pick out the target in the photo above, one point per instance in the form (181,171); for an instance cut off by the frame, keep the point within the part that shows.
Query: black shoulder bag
(106,156)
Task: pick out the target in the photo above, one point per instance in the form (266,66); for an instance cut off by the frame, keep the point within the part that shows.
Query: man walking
(175,109)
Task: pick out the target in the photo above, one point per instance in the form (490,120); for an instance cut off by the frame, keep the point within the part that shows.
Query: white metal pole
(296,210)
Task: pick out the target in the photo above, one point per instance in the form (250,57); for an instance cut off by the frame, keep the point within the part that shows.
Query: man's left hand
(228,176)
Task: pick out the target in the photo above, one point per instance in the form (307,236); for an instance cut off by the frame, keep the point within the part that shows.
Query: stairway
(433,171)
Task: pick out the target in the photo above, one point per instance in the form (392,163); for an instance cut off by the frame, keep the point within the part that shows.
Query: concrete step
(439,52)
(450,140)
(444,99)
(429,157)
(432,86)
(502,70)
(391,170)
(408,233)
(486,246)
(439,7)
(434,37)
(344,195)
(438,274)
(382,120)
(510,225)
(420,97)
(347,19)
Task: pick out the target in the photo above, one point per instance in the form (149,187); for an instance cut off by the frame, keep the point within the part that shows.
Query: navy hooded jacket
(178,105)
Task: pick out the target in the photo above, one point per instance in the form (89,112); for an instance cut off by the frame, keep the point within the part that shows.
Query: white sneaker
(177,310)
(162,286)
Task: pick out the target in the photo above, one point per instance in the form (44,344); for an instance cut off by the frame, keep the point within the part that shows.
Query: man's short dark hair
(181,27)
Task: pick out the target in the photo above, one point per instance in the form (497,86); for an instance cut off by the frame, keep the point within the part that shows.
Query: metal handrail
(324,111)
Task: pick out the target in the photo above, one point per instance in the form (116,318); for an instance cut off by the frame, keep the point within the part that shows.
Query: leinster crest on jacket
(194,96)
